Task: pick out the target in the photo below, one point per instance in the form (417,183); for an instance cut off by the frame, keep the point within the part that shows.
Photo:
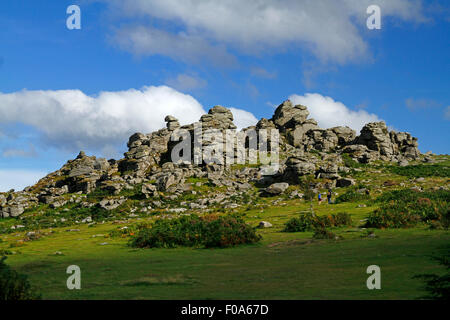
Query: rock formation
(306,148)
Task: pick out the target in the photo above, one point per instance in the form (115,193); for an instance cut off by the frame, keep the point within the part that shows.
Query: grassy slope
(282,266)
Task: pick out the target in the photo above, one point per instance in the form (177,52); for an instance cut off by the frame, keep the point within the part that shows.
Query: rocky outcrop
(147,165)
(390,145)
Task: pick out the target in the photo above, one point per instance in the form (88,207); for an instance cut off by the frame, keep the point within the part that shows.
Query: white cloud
(330,113)
(330,29)
(72,120)
(185,82)
(19,179)
(243,119)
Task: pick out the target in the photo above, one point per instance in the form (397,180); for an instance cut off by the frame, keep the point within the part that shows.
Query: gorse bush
(312,222)
(407,208)
(323,233)
(194,231)
(14,286)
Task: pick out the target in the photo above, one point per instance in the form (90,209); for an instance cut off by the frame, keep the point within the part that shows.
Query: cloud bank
(330,113)
(72,120)
(196,30)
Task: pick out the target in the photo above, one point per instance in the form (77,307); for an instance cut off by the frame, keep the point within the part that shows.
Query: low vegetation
(354,195)
(193,231)
(422,171)
(312,222)
(407,208)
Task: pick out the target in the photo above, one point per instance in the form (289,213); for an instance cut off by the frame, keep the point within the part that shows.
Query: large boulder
(218,118)
(277,188)
(172,123)
(376,137)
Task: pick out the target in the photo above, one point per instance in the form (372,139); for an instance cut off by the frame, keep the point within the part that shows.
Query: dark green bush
(311,222)
(194,231)
(323,233)
(14,286)
(352,196)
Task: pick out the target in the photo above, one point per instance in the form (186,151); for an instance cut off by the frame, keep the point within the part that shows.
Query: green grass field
(281,266)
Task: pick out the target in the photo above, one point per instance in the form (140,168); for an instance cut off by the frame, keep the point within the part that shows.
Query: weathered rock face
(376,137)
(145,151)
(287,115)
(297,167)
(405,144)
(361,153)
(293,121)
(345,135)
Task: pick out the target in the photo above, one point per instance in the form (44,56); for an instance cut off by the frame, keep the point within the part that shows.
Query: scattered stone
(265,224)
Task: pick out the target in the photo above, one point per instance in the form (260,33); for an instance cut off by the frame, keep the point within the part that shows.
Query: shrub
(382,218)
(311,222)
(14,286)
(192,231)
(407,208)
(352,196)
(323,233)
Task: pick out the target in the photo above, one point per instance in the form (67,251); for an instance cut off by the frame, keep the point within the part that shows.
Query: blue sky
(248,56)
